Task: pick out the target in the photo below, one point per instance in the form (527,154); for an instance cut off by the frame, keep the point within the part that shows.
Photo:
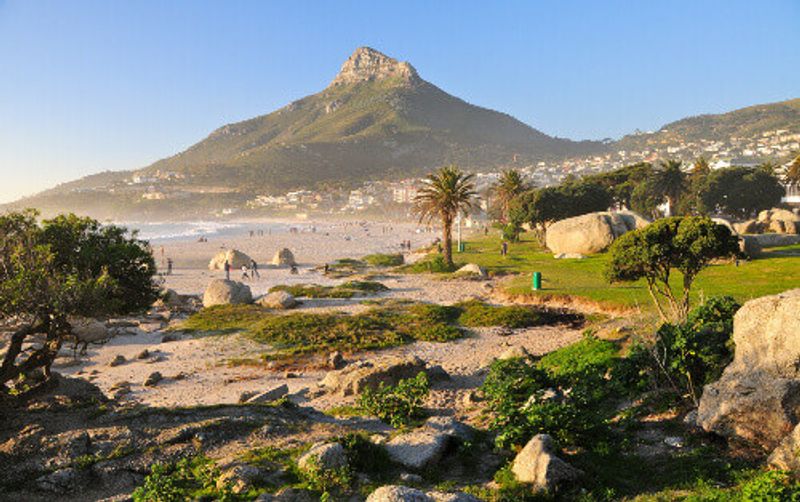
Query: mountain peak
(367,64)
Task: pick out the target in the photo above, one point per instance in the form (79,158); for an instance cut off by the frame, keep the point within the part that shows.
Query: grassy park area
(778,269)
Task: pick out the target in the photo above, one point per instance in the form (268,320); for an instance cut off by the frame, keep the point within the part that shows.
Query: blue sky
(87,86)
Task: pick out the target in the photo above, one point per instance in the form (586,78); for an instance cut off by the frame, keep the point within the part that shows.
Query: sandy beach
(196,370)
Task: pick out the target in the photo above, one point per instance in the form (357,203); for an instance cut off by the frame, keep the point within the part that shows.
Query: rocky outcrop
(757,399)
(280,300)
(367,64)
(775,220)
(354,378)
(590,233)
(538,465)
(225,292)
(269,395)
(236,258)
(283,258)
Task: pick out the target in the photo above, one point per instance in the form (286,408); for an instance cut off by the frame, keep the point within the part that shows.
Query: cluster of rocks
(353,378)
(778,221)
(590,233)
(237,259)
(757,399)
(228,292)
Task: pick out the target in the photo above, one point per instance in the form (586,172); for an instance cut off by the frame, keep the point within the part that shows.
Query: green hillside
(377,119)
(743,123)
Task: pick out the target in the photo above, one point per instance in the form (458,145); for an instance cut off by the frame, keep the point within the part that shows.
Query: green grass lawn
(777,270)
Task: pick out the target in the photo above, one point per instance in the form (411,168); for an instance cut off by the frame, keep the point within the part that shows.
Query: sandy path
(203,377)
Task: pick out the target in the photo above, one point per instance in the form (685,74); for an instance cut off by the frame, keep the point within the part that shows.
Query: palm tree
(670,182)
(507,188)
(446,193)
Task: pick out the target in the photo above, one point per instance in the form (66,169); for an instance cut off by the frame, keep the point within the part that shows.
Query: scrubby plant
(400,404)
(476,313)
(384,260)
(188,479)
(435,264)
(565,395)
(347,289)
(695,352)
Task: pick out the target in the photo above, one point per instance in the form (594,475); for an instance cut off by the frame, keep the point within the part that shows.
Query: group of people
(248,272)
(405,245)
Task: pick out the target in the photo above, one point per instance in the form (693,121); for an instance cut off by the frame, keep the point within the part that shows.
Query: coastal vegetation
(347,289)
(55,273)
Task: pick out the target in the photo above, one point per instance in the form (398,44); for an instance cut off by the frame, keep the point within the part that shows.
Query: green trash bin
(461,247)
(536,282)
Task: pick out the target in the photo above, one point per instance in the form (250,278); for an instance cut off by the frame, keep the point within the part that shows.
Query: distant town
(395,197)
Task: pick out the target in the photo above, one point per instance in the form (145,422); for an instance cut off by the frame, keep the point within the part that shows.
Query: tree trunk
(447,234)
(7,370)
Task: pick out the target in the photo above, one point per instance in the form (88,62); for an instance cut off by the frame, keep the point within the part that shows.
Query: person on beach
(169,266)
(227,268)
(244,273)
(504,249)
(293,270)
(254,269)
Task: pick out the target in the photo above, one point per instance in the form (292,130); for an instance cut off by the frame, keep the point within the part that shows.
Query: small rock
(419,448)
(289,374)
(471,398)
(143,354)
(513,353)
(279,300)
(449,426)
(240,478)
(538,465)
(408,477)
(323,457)
(336,361)
(244,396)
(397,493)
(118,360)
(153,379)
(437,374)
(170,337)
(270,395)
(674,441)
(59,482)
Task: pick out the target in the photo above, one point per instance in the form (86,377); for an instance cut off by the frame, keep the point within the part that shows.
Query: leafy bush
(433,265)
(695,352)
(398,404)
(365,456)
(565,395)
(364,286)
(224,317)
(384,260)
(475,313)
(188,479)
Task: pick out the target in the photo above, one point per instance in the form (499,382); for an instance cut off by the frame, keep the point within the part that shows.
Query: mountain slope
(743,123)
(377,118)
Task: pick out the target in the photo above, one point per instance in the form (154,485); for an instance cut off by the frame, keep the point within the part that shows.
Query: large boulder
(353,379)
(757,399)
(280,300)
(748,227)
(283,258)
(779,221)
(236,258)
(424,446)
(727,224)
(590,233)
(537,464)
(225,292)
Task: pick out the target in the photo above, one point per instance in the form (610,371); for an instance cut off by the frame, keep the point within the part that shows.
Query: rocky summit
(366,64)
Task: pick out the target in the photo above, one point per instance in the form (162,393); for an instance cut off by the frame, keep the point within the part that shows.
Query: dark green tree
(686,244)
(446,193)
(740,192)
(60,269)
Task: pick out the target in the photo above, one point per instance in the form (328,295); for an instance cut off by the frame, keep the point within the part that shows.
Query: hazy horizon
(102,86)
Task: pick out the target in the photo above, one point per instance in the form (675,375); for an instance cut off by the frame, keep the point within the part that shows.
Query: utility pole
(458,219)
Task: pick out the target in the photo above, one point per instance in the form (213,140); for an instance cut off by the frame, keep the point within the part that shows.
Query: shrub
(345,290)
(475,313)
(566,395)
(365,456)
(188,479)
(365,286)
(384,260)
(398,404)
(433,265)
(695,352)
